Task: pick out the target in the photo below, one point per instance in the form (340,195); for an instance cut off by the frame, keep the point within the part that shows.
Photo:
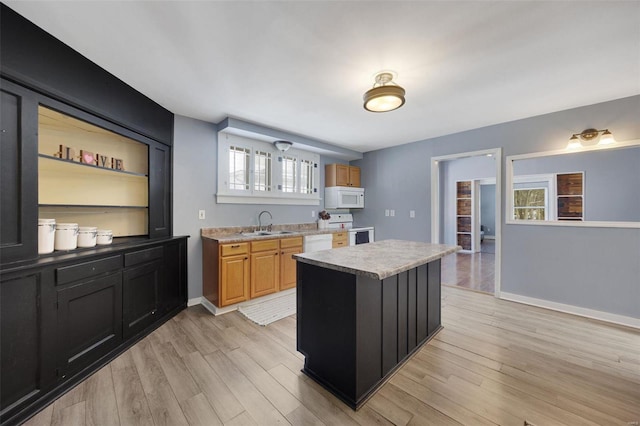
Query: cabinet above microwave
(338,197)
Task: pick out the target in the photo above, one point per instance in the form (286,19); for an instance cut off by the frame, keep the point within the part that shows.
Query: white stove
(357,234)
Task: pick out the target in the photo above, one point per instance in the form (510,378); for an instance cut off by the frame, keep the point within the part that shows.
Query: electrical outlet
(412,214)
(386,212)
(313,213)
(201,214)
(393,213)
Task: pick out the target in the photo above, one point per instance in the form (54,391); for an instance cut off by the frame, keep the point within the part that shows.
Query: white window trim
(225,195)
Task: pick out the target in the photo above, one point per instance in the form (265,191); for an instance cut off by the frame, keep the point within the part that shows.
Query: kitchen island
(363,310)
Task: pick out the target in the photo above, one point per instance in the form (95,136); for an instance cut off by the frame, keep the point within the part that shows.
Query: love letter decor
(86,157)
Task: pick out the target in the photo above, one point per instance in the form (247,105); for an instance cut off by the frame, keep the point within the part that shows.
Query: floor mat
(271,310)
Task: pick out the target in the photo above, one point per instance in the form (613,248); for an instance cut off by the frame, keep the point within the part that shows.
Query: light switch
(201,214)
(313,213)
(386,212)
(393,213)
(412,214)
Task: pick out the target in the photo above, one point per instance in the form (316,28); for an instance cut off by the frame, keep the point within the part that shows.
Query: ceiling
(303,66)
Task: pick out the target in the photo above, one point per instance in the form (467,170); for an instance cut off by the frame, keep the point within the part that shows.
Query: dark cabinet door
(89,322)
(18,173)
(141,285)
(173,290)
(27,327)
(159,190)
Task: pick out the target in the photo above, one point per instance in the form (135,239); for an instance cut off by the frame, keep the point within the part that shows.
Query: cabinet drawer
(68,274)
(233,249)
(142,256)
(339,244)
(264,245)
(291,242)
(340,236)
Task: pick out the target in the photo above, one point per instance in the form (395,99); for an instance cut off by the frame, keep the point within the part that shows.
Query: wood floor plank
(264,382)
(101,406)
(243,419)
(182,384)
(43,418)
(75,397)
(163,404)
(303,417)
(199,412)
(133,408)
(258,407)
(390,410)
(317,402)
(225,404)
(72,415)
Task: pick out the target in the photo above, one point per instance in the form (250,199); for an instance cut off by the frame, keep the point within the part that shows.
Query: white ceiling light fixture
(283,145)
(385,95)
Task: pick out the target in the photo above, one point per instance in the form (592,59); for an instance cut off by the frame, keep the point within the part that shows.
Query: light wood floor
(474,271)
(495,362)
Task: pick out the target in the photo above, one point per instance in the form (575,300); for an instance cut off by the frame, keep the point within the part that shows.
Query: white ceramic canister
(66,236)
(105,236)
(46,235)
(87,236)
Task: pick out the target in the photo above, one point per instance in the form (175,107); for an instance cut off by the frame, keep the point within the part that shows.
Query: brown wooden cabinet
(341,175)
(340,239)
(237,272)
(234,273)
(289,247)
(265,267)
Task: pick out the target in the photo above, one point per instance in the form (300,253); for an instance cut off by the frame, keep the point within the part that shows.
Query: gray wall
(595,268)
(611,180)
(488,209)
(195,162)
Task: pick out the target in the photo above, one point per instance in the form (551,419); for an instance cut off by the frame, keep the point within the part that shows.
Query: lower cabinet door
(173,288)
(140,286)
(288,267)
(234,279)
(89,322)
(265,269)
(27,326)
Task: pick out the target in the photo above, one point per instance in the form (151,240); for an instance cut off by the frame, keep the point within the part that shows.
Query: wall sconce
(588,135)
(385,94)
(282,145)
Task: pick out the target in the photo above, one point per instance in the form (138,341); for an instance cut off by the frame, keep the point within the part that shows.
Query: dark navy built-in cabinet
(65,314)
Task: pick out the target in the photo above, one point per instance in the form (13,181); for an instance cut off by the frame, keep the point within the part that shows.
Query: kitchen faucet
(260,220)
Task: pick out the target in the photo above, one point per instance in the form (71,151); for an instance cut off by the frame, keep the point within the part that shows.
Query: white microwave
(340,197)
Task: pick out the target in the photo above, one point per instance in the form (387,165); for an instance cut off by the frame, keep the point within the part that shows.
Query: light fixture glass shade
(606,138)
(574,143)
(384,98)
(283,145)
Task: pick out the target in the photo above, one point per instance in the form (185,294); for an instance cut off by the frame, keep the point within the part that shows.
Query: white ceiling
(303,66)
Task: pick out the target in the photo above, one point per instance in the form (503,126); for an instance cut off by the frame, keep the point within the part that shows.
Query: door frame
(435,201)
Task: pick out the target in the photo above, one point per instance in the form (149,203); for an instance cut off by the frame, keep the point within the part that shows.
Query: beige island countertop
(378,260)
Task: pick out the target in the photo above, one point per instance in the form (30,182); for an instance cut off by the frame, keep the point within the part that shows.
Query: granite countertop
(378,260)
(236,234)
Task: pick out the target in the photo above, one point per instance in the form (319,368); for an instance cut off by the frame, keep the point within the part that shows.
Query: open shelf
(73,191)
(93,167)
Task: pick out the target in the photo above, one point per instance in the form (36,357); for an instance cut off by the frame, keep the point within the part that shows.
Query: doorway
(478,267)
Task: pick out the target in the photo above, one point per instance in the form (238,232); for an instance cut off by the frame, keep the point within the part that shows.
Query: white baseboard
(195,301)
(575,310)
(219,311)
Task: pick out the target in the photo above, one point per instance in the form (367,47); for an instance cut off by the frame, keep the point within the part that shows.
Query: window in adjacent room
(289,165)
(262,178)
(530,204)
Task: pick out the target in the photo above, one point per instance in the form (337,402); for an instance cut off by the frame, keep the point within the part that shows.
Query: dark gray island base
(362,311)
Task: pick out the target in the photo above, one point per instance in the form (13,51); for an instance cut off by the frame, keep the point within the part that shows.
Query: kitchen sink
(263,233)
(255,234)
